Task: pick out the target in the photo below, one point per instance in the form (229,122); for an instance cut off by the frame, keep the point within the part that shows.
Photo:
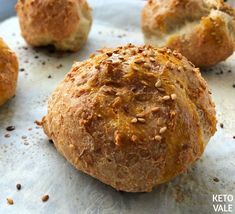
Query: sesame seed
(161,89)
(151,59)
(134,120)
(71,146)
(18,186)
(10,201)
(146,66)
(144,83)
(173,96)
(142,120)
(166,97)
(140,61)
(168,51)
(154,109)
(134,138)
(45,198)
(163,129)
(109,53)
(121,58)
(158,84)
(158,137)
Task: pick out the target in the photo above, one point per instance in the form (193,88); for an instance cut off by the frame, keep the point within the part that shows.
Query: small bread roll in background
(202,30)
(8,72)
(65,24)
(132,117)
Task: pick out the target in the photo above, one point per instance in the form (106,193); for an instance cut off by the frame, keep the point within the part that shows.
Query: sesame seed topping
(121,58)
(134,120)
(144,82)
(139,61)
(163,129)
(173,96)
(161,89)
(109,53)
(151,59)
(166,97)
(158,84)
(155,109)
(142,120)
(168,51)
(146,66)
(71,146)
(134,138)
(158,137)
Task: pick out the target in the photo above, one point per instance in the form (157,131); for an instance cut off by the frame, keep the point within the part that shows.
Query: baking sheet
(26,157)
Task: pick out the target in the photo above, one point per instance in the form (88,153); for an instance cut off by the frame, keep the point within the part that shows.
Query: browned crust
(209,35)
(8,72)
(108,116)
(62,23)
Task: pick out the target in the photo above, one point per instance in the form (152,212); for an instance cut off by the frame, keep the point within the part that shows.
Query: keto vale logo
(223,203)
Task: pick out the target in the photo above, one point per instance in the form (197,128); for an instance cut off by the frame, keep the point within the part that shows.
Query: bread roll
(202,30)
(132,117)
(8,72)
(64,24)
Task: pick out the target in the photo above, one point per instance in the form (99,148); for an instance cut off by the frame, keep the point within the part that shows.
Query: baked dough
(8,72)
(202,30)
(64,24)
(132,117)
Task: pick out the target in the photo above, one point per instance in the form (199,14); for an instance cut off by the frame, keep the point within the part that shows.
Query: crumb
(233,85)
(229,71)
(36,57)
(22,69)
(216,179)
(49,76)
(45,198)
(24,137)
(221,125)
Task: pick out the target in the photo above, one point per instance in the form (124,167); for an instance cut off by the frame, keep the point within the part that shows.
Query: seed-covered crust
(132,117)
(8,72)
(62,23)
(202,30)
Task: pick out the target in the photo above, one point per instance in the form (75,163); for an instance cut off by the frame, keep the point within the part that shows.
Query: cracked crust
(64,24)
(196,28)
(132,117)
(8,72)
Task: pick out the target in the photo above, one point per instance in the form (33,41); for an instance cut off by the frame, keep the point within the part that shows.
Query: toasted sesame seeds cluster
(132,117)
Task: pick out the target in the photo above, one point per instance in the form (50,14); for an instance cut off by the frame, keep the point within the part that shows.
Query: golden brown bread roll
(202,30)
(8,72)
(64,24)
(132,117)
